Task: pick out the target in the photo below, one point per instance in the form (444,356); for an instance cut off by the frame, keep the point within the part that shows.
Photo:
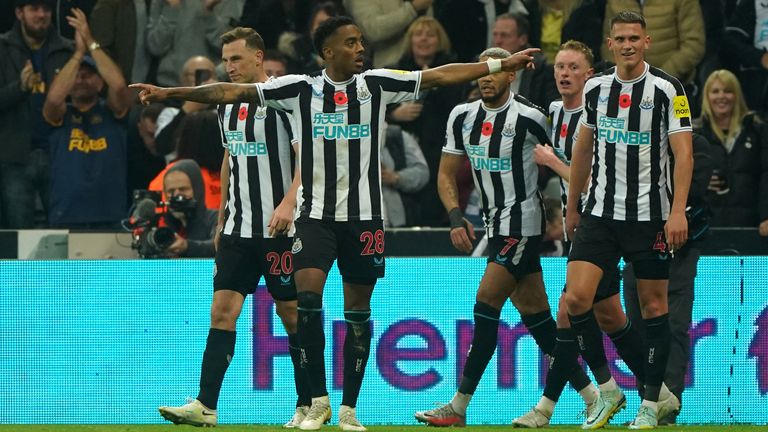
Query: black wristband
(456,218)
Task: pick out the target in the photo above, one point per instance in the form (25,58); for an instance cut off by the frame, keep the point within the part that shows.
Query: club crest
(508,131)
(296,248)
(261,113)
(363,94)
(646,103)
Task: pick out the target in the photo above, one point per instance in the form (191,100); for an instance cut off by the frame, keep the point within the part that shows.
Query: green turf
(333,428)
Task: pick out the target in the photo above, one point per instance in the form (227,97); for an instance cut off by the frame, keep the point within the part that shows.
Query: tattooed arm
(217,93)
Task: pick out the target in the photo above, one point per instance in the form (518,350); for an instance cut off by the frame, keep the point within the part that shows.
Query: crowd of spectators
(76,143)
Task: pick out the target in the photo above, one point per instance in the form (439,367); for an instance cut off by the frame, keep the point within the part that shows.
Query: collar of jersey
(327,78)
(642,75)
(501,108)
(573,110)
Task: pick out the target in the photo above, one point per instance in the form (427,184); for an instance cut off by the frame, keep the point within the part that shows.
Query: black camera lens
(161,238)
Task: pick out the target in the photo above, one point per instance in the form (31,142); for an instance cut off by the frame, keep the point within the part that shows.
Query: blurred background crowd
(74,148)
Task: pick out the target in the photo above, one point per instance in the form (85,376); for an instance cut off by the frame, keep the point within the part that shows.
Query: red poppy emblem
(487,128)
(563,130)
(340,98)
(625,101)
(243,113)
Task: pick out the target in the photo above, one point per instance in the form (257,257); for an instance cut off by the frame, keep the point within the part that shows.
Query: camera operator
(187,216)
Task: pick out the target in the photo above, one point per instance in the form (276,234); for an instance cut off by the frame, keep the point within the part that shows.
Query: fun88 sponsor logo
(479,161)
(331,126)
(613,130)
(238,146)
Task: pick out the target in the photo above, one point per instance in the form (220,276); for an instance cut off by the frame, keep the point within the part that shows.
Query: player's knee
(610,321)
(576,303)
(223,317)
(652,309)
(288,314)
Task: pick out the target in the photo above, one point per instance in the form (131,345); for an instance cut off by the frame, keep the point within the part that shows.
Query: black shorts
(518,254)
(603,241)
(358,246)
(241,262)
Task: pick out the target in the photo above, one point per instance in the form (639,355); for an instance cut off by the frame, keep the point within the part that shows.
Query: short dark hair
(523,26)
(578,46)
(252,38)
(628,17)
(326,29)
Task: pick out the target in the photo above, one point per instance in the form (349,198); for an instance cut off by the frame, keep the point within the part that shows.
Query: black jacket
(15,114)
(746,172)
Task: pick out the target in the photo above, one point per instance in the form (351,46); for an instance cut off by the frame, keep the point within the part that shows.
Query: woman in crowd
(428,46)
(738,189)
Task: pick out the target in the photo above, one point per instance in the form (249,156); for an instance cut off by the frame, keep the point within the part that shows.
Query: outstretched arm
(217,93)
(459,73)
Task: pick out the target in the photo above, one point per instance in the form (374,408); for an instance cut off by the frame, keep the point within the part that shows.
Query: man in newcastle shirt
(339,118)
(633,115)
(573,66)
(253,236)
(498,134)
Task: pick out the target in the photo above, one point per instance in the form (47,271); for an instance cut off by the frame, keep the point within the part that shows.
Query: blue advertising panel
(110,341)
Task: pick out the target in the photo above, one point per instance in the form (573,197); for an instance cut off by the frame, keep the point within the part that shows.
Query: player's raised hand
(149,93)
(519,60)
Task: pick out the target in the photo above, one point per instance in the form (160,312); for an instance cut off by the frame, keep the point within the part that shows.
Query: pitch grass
(334,428)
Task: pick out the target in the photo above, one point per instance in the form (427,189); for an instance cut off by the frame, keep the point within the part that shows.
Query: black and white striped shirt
(565,131)
(340,127)
(631,122)
(499,143)
(261,166)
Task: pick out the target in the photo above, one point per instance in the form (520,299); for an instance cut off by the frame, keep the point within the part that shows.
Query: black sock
(564,366)
(543,329)
(312,341)
(631,348)
(483,345)
(589,340)
(657,330)
(219,349)
(304,398)
(357,346)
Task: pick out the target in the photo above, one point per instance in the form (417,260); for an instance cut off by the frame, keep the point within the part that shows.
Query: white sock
(650,404)
(546,406)
(589,394)
(460,402)
(609,385)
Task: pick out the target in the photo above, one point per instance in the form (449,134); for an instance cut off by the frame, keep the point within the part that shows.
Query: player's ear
(512,76)
(327,53)
(590,72)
